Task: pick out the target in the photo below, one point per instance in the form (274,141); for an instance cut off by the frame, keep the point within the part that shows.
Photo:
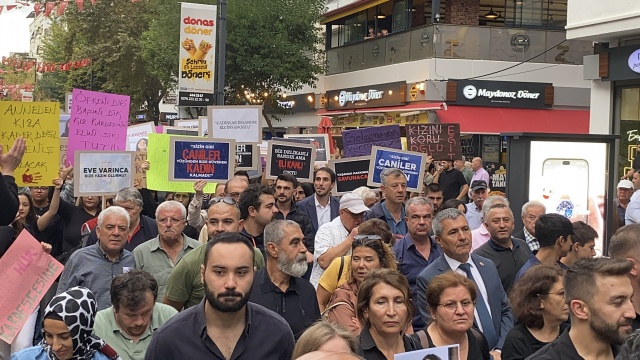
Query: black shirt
(507,260)
(298,305)
(561,349)
(53,233)
(184,336)
(520,343)
(258,241)
(475,351)
(368,349)
(635,323)
(451,181)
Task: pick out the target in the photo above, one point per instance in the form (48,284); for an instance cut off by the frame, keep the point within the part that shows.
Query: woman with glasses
(368,252)
(537,302)
(385,310)
(451,298)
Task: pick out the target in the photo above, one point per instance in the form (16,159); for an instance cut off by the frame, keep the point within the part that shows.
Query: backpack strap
(334,305)
(423,339)
(481,340)
(341,268)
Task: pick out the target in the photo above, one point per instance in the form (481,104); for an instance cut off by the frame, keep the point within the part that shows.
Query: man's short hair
(274,231)
(129,289)
(251,198)
(551,227)
(433,188)
(129,194)
(242,173)
(331,173)
(226,185)
(390,172)
(226,238)
(491,201)
(583,233)
(531,204)
(288,178)
(418,200)
(442,215)
(580,279)
(172,204)
(624,243)
(114,210)
(497,205)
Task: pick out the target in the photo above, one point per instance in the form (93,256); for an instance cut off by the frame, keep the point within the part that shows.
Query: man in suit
(492,314)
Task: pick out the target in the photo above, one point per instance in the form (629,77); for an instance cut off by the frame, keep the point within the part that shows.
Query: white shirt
(323,213)
(329,235)
(455,264)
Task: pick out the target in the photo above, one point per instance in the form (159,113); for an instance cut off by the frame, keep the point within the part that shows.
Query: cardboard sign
(98,173)
(441,141)
(27,272)
(288,158)
(243,123)
(140,176)
(37,122)
(411,163)
(63,153)
(351,173)
(138,136)
(320,141)
(247,157)
(157,175)
(195,159)
(98,122)
(358,142)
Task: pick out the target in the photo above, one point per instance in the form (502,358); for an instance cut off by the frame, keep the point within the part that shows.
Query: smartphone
(566,187)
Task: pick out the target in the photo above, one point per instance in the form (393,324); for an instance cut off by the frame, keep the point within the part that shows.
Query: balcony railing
(459,42)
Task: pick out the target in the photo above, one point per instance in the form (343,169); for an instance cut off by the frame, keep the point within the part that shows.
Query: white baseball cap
(353,203)
(625,184)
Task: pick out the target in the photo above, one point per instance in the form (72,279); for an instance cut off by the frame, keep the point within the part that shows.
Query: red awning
(410,107)
(499,120)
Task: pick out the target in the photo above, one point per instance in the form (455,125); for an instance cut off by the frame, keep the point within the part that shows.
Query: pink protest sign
(26,272)
(98,122)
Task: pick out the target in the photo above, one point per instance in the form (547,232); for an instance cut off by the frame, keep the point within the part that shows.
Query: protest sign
(289,158)
(98,122)
(201,159)
(37,122)
(447,352)
(358,142)
(63,153)
(138,136)
(243,123)
(497,177)
(247,157)
(64,125)
(98,173)
(351,173)
(188,124)
(440,141)
(321,142)
(172,130)
(140,175)
(411,163)
(27,272)
(204,126)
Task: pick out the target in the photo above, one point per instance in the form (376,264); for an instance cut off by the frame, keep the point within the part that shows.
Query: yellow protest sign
(158,173)
(38,123)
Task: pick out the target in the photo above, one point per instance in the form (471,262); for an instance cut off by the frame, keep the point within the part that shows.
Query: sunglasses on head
(225,199)
(359,240)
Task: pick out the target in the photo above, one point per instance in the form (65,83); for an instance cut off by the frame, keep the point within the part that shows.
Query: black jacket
(9,196)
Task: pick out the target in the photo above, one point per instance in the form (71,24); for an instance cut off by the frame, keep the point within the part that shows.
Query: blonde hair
(320,333)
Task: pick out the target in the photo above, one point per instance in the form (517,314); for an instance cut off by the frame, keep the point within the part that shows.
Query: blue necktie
(488,329)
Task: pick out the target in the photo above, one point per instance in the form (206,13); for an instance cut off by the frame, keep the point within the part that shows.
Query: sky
(14,30)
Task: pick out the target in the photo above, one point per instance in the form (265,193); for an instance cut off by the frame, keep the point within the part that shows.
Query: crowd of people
(284,270)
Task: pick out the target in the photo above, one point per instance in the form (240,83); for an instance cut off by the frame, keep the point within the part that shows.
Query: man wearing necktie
(492,312)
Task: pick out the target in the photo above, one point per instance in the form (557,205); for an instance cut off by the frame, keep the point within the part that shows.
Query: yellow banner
(391,118)
(38,123)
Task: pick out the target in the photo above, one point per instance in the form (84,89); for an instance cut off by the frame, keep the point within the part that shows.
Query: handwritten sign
(98,122)
(27,272)
(157,175)
(320,141)
(63,152)
(138,136)
(289,158)
(247,157)
(140,175)
(441,141)
(98,173)
(243,123)
(358,142)
(193,159)
(37,122)
(411,163)
(351,173)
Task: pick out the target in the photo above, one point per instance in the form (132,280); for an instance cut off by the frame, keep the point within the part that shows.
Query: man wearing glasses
(334,239)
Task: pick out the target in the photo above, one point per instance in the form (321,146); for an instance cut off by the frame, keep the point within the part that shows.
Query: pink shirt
(479,236)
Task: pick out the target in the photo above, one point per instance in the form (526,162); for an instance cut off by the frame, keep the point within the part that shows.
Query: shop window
(630,104)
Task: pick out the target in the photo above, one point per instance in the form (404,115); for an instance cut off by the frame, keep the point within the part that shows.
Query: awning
(499,120)
(406,108)
(352,8)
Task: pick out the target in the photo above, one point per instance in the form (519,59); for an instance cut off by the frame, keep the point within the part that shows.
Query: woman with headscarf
(68,330)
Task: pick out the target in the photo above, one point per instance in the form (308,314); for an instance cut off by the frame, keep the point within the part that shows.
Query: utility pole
(222,48)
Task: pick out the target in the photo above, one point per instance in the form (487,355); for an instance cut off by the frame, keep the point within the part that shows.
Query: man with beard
(257,208)
(321,208)
(453,184)
(434,193)
(225,325)
(279,286)
(599,295)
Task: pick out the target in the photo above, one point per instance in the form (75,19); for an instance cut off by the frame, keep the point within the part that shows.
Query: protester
(384,309)
(324,336)
(478,194)
(368,252)
(624,245)
(27,217)
(392,209)
(459,164)
(481,235)
(67,328)
(321,208)
(368,196)
(451,298)
(257,208)
(584,243)
(434,193)
(52,234)
(303,191)
(531,211)
(8,188)
(455,204)
(196,215)
(479,173)
(623,196)
(329,355)
(453,184)
(242,175)
(225,324)
(538,303)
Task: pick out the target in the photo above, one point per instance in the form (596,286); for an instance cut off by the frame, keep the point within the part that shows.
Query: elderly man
(141,229)
(479,173)
(493,313)
(334,239)
(391,209)
(197,217)
(134,316)
(623,196)
(94,266)
(481,235)
(279,286)
(478,194)
(531,211)
(160,255)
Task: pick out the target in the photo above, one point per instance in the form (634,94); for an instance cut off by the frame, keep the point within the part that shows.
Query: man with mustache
(224,325)
(160,255)
(599,295)
(279,286)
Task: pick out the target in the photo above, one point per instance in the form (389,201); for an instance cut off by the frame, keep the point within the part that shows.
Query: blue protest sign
(358,142)
(411,163)
(192,158)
